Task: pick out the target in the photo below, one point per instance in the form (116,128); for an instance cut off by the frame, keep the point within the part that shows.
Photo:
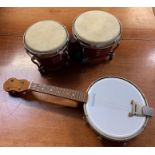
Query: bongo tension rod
(139,110)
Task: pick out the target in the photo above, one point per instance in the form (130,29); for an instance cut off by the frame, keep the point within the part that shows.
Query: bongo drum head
(95,27)
(108,106)
(46,36)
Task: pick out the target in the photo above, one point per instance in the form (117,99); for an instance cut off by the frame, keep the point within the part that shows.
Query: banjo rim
(102,134)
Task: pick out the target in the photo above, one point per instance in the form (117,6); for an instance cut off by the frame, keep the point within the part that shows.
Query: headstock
(15,86)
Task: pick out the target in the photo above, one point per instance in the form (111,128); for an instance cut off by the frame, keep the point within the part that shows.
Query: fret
(60,92)
(79,95)
(63,91)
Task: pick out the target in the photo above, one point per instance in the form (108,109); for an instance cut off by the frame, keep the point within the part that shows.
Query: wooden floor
(38,122)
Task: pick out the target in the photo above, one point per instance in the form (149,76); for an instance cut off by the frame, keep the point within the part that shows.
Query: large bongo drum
(47,43)
(98,34)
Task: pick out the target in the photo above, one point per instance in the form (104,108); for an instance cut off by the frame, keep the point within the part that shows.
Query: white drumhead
(46,36)
(108,106)
(96,27)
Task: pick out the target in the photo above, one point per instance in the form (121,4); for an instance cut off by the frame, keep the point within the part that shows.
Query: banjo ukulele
(113,106)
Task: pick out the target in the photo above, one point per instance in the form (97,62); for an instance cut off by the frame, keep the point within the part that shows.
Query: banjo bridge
(139,110)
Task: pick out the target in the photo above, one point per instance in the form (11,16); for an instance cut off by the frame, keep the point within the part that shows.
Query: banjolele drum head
(98,32)
(46,41)
(108,107)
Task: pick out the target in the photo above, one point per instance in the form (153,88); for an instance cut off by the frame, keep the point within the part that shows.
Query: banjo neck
(14,85)
(60,92)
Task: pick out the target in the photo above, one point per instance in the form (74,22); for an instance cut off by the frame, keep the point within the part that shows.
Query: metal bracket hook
(139,110)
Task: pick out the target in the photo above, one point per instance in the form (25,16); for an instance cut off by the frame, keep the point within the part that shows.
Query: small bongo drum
(47,44)
(98,34)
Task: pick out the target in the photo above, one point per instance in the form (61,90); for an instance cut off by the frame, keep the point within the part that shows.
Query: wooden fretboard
(60,92)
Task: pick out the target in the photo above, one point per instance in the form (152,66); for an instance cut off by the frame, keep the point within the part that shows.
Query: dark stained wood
(34,120)
(15,21)
(59,92)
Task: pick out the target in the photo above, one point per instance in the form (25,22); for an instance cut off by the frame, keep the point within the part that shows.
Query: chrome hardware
(140,110)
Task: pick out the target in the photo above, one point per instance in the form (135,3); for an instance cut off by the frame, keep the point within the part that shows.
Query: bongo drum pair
(96,33)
